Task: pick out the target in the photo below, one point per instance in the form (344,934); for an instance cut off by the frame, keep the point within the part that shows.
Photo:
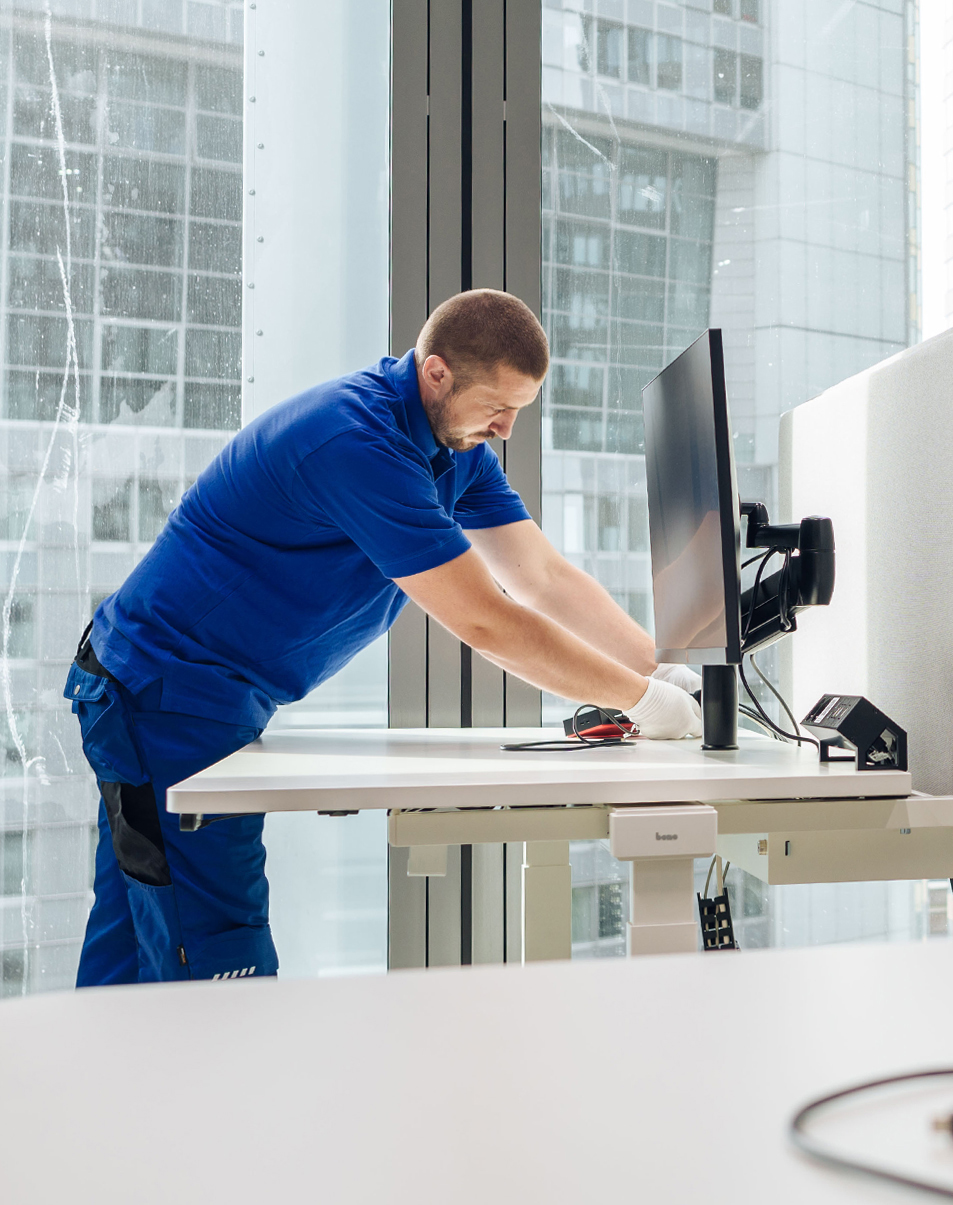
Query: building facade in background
(120,355)
(746,164)
(737,163)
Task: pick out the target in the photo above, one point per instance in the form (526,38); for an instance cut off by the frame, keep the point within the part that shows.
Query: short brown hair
(479,331)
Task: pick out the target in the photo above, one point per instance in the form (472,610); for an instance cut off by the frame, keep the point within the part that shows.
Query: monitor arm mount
(805,579)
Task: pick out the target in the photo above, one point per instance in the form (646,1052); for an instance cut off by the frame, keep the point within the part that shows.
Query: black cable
(754,593)
(749,714)
(814,1150)
(767,719)
(777,694)
(582,742)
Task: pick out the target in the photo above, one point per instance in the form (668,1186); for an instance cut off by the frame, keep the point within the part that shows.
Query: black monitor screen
(694,524)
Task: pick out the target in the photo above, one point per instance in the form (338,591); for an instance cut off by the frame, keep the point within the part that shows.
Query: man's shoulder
(358,401)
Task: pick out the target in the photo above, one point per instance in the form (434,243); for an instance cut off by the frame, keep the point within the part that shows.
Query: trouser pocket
(235,954)
(158,932)
(108,740)
(136,832)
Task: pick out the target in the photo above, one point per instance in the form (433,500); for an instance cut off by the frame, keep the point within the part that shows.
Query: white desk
(663,1080)
(352,769)
(545,799)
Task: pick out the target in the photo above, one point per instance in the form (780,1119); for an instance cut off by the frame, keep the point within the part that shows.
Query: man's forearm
(463,596)
(580,604)
(541,652)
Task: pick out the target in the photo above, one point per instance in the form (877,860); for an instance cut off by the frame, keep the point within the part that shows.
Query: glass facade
(120,358)
(694,175)
(120,353)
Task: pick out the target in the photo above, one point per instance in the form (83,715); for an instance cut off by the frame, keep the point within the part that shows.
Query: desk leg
(662,912)
(547,901)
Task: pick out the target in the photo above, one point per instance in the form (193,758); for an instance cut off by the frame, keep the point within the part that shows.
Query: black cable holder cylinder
(719,707)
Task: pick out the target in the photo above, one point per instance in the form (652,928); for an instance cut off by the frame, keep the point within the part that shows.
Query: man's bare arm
(533,573)
(463,596)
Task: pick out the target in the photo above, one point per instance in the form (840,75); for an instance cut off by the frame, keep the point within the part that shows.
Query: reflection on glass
(120,349)
(120,319)
(708,181)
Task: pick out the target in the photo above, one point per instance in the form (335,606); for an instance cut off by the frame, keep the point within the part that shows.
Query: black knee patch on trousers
(136,833)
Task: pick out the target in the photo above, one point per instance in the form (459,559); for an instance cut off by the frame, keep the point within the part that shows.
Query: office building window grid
(803,248)
(656,59)
(627,243)
(677,64)
(92,461)
(155,232)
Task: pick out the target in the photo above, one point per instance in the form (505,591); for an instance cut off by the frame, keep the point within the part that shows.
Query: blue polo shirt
(276,567)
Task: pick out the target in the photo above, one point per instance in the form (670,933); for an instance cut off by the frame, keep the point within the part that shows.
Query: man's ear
(437,375)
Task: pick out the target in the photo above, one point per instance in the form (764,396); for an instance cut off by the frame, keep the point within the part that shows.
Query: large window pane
(675,207)
(102,418)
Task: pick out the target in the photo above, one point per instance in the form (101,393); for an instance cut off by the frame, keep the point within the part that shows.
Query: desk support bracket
(662,843)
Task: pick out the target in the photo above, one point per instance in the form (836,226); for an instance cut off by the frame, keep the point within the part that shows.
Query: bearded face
(464,416)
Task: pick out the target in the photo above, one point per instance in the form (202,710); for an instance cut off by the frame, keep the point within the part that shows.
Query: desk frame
(495,867)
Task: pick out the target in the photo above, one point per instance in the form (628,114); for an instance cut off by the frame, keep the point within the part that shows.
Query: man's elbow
(495,633)
(547,587)
(482,637)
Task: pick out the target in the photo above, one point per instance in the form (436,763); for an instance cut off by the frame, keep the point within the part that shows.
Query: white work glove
(666,713)
(679,675)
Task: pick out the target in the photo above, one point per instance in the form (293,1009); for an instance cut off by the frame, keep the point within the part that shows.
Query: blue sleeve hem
(494,518)
(456,546)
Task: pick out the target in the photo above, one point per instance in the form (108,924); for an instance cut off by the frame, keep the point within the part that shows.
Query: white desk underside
(356,769)
(658,1080)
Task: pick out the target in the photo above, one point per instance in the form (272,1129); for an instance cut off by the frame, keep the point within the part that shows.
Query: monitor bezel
(729,512)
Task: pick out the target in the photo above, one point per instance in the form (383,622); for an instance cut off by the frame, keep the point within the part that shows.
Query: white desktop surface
(343,769)
(659,1080)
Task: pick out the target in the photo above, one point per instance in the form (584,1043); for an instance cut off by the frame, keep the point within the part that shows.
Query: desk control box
(853,722)
(683,830)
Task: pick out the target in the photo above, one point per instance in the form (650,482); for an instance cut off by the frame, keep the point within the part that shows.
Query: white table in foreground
(664,1080)
(538,797)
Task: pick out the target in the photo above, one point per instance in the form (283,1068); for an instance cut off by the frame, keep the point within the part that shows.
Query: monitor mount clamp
(805,579)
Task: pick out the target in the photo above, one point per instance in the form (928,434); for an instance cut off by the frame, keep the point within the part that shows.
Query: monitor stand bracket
(719,707)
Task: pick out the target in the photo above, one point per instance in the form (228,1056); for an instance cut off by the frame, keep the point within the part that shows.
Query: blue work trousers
(169,905)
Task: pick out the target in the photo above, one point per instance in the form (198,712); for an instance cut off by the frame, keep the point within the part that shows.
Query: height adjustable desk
(772,808)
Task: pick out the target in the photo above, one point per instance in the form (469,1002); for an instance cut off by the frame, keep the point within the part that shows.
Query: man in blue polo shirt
(296,548)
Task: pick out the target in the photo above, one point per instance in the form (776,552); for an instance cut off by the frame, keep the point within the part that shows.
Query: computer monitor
(695,540)
(694,520)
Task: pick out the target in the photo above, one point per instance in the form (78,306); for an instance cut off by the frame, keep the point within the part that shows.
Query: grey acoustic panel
(874,454)
(409,153)
(406,914)
(443,677)
(523,150)
(407,670)
(443,912)
(513,904)
(524,267)
(487,904)
(487,146)
(523,704)
(446,95)
(486,693)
